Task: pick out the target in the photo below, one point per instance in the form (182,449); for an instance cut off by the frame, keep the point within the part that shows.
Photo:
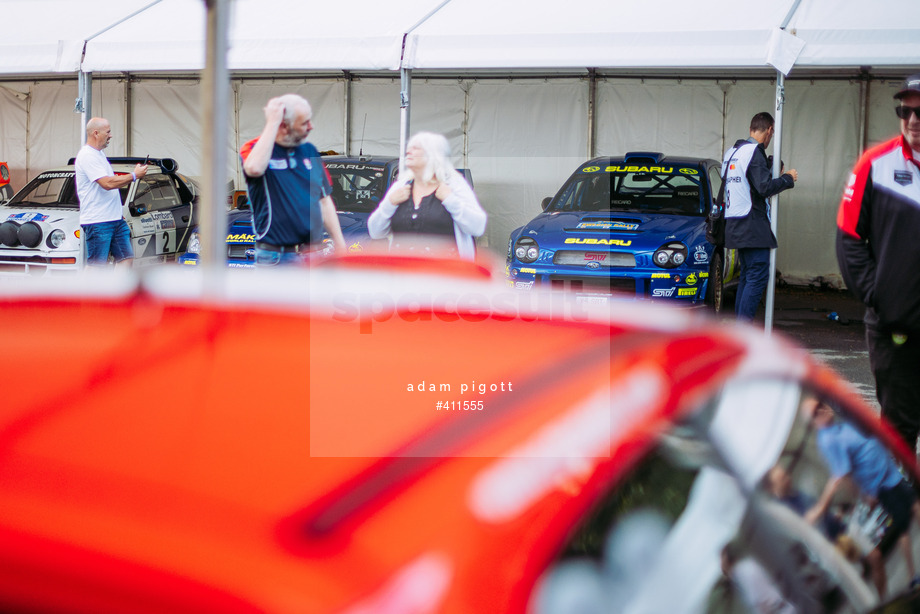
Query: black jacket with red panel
(878,235)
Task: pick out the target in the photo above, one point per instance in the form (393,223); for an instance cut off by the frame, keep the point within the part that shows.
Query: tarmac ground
(801,314)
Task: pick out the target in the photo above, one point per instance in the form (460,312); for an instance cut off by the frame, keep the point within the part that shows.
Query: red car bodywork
(206,454)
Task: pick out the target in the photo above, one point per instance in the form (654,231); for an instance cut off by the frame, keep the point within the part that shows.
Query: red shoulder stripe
(246,149)
(851,203)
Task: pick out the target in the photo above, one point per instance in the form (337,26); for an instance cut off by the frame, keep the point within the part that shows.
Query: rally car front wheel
(715,289)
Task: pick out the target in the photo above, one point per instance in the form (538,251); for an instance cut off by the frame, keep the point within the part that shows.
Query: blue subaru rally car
(634,225)
(358,185)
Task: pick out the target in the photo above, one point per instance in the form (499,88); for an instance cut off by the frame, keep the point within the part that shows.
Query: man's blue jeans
(104,238)
(755,274)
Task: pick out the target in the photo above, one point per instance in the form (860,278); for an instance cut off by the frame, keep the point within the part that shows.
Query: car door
(158,217)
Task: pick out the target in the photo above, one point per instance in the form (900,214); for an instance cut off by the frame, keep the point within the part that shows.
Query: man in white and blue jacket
(749,183)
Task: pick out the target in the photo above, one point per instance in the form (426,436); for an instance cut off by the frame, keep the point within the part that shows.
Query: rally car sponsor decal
(241,238)
(616,168)
(700,256)
(691,279)
(147,225)
(612,225)
(661,276)
(686,292)
(663,292)
(27,217)
(353,167)
(164,220)
(157,220)
(56,175)
(630,169)
(593,241)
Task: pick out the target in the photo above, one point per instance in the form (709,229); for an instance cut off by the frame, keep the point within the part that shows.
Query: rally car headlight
(194,244)
(56,238)
(526,250)
(670,255)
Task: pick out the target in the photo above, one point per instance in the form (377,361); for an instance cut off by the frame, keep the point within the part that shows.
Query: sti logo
(595,257)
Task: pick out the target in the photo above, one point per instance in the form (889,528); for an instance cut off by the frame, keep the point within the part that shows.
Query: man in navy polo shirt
(289,187)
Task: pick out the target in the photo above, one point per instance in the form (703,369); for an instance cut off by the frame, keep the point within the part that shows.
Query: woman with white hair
(431,202)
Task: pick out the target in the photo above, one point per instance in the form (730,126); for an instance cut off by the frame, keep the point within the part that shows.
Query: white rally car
(40,225)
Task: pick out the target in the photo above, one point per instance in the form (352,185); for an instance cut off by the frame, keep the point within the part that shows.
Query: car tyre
(715,289)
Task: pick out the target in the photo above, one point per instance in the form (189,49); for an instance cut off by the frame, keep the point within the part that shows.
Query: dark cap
(911,84)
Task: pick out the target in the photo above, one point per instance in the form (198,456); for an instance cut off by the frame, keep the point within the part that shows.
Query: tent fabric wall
(685,116)
(820,140)
(14,133)
(525,138)
(166,122)
(38,128)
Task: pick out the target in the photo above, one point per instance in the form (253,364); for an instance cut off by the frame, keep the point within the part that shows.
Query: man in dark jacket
(877,250)
(748,185)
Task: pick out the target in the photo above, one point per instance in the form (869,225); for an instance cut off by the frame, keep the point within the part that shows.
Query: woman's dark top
(431,218)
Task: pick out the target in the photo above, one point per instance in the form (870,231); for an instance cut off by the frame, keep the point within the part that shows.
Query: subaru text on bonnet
(632,225)
(40,226)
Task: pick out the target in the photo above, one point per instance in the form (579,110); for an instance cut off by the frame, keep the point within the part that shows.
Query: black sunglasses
(904,112)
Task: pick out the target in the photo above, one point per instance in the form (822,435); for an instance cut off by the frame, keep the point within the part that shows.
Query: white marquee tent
(525,91)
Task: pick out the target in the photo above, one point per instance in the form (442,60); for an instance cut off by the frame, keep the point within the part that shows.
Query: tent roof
(846,33)
(47,36)
(264,35)
(610,34)
(287,35)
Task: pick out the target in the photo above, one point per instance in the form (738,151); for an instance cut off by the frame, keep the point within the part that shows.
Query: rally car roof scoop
(654,156)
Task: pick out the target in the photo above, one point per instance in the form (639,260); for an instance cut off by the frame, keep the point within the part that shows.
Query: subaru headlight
(194,244)
(56,238)
(526,250)
(670,255)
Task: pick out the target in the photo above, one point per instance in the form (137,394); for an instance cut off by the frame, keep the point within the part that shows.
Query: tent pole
(129,116)
(592,111)
(214,95)
(346,128)
(84,102)
(405,91)
(774,200)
